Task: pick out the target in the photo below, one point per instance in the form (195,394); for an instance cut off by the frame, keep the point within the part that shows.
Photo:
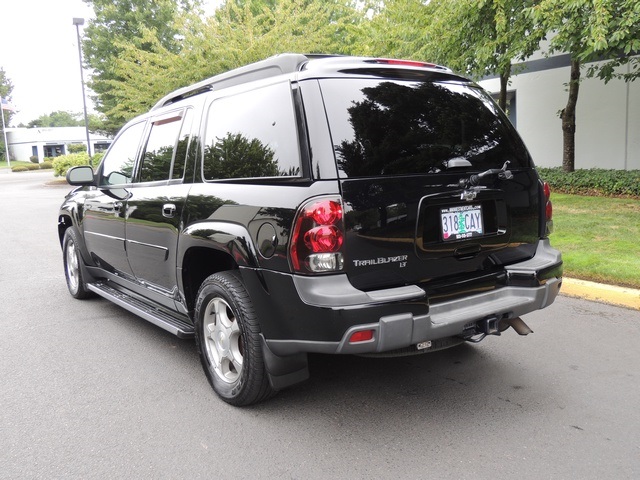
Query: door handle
(168,210)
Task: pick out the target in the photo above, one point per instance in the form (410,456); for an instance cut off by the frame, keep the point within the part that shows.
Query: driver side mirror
(81,176)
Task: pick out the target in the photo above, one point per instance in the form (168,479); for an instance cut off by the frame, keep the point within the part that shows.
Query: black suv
(315,204)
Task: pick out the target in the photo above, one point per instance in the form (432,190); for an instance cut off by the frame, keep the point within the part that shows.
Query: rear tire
(72,261)
(228,340)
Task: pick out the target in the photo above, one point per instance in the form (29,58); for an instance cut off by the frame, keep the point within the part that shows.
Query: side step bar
(180,328)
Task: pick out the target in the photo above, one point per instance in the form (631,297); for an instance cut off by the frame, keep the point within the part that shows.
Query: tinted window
(158,154)
(179,162)
(252,134)
(399,128)
(117,166)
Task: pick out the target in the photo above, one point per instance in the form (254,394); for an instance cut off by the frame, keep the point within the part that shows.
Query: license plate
(461,222)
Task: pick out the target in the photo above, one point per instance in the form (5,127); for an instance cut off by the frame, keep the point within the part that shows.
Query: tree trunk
(568,116)
(504,83)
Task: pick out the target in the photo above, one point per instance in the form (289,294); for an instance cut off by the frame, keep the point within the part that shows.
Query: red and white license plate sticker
(461,222)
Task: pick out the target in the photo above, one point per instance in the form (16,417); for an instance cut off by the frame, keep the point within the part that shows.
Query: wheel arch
(199,262)
(211,247)
(64,222)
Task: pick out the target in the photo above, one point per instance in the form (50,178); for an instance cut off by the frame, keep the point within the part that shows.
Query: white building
(50,142)
(607,115)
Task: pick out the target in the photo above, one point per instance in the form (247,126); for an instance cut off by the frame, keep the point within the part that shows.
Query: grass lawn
(599,238)
(14,163)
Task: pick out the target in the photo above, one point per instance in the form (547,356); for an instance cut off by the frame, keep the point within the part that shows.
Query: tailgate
(420,229)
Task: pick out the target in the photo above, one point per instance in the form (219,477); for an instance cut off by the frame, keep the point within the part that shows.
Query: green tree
(240,32)
(590,30)
(398,29)
(6,87)
(98,124)
(474,37)
(492,34)
(59,118)
(118,23)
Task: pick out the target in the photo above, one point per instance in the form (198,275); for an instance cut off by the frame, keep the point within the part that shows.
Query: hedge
(64,162)
(594,182)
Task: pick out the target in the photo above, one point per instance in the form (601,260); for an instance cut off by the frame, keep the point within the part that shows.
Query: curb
(596,292)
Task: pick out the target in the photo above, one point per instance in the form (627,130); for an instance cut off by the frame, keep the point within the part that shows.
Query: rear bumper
(321,314)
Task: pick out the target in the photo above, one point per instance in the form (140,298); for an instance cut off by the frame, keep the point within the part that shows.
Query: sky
(39,54)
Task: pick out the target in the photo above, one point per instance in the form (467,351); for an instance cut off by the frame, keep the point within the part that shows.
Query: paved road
(90,391)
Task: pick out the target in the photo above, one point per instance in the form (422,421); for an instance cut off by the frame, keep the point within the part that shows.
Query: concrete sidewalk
(619,296)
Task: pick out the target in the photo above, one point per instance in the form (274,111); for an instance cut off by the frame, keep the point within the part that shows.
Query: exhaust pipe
(518,325)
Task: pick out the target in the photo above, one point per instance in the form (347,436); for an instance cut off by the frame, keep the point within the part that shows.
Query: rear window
(400,128)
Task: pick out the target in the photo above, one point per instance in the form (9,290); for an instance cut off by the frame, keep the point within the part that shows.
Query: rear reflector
(548,209)
(361,336)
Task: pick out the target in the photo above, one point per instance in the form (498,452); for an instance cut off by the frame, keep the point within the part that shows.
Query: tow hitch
(495,326)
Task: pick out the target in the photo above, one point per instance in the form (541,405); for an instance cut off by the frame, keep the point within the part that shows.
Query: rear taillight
(548,209)
(318,235)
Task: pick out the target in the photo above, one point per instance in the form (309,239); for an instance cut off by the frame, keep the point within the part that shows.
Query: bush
(46,165)
(32,166)
(594,182)
(76,147)
(64,162)
(97,158)
(33,158)
(19,168)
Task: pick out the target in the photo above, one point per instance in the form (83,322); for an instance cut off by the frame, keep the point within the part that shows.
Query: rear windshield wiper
(474,180)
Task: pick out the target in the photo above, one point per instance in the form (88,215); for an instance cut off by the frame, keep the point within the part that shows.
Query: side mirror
(81,176)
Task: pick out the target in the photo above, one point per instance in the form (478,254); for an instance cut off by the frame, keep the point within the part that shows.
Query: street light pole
(77,22)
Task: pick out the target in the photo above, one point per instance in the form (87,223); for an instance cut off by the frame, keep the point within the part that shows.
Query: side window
(252,134)
(158,153)
(177,172)
(117,165)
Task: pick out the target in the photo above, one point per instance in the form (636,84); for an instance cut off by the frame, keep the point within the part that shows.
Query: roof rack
(270,67)
(283,64)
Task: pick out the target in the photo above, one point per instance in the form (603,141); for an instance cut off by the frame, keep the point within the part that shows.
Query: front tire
(228,340)
(72,261)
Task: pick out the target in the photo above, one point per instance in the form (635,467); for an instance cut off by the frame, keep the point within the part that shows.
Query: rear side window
(400,128)
(252,134)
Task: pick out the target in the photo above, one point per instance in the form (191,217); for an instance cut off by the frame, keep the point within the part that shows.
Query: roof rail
(270,67)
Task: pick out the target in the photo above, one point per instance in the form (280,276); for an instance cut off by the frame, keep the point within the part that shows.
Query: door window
(117,165)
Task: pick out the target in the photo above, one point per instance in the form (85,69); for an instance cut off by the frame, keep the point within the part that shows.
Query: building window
(53,150)
(100,147)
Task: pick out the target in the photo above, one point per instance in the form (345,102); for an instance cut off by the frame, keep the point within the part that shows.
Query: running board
(180,328)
